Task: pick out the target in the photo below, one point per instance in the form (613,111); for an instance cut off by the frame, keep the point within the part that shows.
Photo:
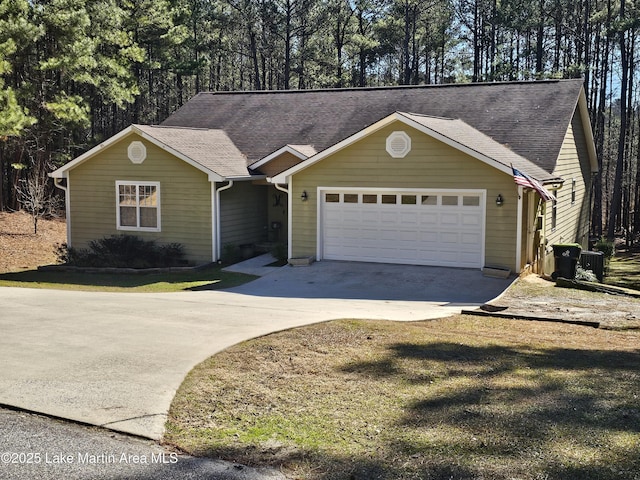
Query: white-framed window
(138,206)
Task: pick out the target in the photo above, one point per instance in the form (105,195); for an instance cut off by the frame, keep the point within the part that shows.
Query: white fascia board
(454,144)
(213,176)
(276,154)
(59,173)
(588,132)
(62,171)
(245,178)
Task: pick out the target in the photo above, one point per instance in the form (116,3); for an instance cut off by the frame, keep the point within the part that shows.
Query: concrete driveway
(116,359)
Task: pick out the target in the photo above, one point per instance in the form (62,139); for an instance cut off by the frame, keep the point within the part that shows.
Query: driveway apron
(116,359)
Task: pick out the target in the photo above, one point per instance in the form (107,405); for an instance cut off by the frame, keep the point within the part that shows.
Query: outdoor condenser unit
(593,261)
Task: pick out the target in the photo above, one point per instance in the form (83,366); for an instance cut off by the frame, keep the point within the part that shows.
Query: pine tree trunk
(616,199)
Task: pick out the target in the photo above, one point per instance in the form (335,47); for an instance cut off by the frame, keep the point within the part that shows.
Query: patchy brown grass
(462,397)
(532,295)
(21,249)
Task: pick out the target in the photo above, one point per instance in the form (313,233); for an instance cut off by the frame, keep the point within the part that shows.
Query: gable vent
(137,152)
(398,144)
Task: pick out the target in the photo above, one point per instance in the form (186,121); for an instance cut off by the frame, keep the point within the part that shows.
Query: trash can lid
(566,245)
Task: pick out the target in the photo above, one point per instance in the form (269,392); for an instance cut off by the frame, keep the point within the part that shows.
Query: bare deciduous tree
(36,198)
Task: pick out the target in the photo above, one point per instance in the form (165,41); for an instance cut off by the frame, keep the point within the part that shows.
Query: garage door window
(332,197)
(471,201)
(406,199)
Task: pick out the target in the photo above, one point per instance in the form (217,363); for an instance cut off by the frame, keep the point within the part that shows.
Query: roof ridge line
(427,116)
(178,127)
(384,87)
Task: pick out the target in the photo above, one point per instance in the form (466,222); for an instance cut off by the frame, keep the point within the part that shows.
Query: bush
(123,251)
(606,247)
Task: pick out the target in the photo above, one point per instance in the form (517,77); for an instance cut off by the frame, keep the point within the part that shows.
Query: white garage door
(421,227)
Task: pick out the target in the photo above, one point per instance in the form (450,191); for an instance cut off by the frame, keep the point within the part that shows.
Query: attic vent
(398,144)
(137,152)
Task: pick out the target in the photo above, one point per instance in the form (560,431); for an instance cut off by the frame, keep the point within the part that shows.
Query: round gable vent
(137,152)
(398,144)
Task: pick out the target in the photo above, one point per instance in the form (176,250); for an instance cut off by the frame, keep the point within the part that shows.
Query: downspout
(67,204)
(289,205)
(519,232)
(217,220)
(282,189)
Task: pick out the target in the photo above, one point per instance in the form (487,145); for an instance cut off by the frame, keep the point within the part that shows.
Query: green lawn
(456,398)
(210,278)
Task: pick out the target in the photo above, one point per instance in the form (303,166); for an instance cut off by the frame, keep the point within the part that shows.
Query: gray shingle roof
(463,134)
(212,149)
(530,118)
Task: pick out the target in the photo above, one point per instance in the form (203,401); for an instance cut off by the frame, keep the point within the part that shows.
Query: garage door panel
(388,234)
(449,258)
(352,234)
(407,236)
(429,218)
(332,215)
(445,230)
(389,218)
(429,236)
(351,216)
(369,217)
(449,238)
(449,219)
(407,219)
(472,239)
(471,220)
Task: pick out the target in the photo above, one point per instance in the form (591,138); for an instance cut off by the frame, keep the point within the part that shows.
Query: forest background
(75,72)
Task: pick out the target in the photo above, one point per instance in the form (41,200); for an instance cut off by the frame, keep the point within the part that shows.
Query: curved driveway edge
(116,359)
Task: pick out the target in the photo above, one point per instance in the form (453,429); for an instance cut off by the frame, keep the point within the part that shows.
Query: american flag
(526,181)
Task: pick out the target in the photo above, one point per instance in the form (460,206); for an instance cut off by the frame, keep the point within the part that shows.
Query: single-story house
(414,175)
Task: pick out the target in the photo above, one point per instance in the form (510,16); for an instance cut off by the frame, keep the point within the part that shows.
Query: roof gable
(300,151)
(209,148)
(191,145)
(453,132)
(530,118)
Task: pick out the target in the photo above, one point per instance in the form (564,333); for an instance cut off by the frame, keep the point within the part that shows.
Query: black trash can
(566,257)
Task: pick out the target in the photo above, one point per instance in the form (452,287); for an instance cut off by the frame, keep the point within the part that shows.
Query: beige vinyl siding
(430,164)
(572,221)
(185,198)
(243,214)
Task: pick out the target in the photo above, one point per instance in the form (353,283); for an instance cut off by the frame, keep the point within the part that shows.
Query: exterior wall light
(304,196)
(499,200)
